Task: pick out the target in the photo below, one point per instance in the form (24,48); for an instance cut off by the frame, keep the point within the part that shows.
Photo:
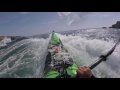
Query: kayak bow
(59,63)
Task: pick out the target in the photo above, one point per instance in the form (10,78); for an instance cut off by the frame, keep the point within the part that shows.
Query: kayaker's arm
(84,72)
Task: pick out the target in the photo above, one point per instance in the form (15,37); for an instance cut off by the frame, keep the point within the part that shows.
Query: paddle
(104,57)
(63,45)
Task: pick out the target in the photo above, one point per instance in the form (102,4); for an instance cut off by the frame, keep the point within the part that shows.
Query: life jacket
(70,72)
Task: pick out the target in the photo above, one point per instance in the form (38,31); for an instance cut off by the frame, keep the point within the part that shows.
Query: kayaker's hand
(84,72)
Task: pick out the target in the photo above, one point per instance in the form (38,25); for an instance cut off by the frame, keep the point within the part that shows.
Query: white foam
(5,41)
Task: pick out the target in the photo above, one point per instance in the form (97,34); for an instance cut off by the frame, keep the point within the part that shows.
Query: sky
(35,23)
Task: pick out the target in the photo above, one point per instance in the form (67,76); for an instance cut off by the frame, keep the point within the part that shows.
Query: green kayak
(59,63)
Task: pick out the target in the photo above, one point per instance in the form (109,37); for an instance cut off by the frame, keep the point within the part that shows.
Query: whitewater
(25,58)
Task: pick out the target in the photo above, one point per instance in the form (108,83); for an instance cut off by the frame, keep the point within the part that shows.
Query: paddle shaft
(104,57)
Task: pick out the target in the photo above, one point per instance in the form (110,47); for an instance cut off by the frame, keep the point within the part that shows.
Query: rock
(1,38)
(12,37)
(104,27)
(117,25)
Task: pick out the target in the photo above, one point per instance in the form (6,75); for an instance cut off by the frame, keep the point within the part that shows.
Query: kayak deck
(58,61)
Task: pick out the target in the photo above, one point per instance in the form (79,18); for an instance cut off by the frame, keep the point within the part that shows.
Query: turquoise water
(23,59)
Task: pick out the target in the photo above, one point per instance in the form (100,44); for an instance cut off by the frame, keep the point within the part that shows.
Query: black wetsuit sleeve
(92,76)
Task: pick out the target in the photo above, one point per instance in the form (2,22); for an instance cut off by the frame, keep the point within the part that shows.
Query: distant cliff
(117,25)
(12,37)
